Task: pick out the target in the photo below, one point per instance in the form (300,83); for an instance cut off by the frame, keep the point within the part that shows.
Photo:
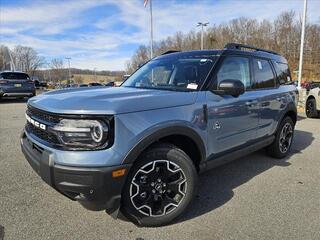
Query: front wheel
(283,139)
(160,186)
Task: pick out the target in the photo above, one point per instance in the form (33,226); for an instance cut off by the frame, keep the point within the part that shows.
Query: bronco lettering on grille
(36,123)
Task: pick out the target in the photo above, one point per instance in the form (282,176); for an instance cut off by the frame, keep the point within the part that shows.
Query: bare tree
(78,79)
(27,59)
(281,35)
(5,60)
(58,73)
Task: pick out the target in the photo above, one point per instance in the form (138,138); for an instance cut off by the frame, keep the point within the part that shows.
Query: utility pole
(95,74)
(302,42)
(12,65)
(48,65)
(69,75)
(202,25)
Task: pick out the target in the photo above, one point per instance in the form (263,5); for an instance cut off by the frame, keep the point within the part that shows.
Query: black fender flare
(291,107)
(165,132)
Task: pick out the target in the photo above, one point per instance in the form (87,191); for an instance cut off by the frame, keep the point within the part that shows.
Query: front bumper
(93,187)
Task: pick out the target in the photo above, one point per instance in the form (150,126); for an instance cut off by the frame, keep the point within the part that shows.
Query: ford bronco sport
(139,148)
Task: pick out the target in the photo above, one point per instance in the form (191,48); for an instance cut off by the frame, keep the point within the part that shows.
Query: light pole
(151,26)
(68,58)
(202,25)
(302,43)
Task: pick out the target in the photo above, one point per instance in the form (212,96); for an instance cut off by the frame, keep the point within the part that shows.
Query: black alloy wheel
(159,187)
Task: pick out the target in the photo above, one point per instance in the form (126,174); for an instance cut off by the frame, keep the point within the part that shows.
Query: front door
(232,121)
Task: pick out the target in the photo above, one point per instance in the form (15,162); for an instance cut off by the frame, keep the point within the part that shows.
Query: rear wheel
(160,186)
(283,139)
(311,108)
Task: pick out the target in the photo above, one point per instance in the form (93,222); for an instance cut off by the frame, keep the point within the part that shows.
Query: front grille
(42,115)
(42,134)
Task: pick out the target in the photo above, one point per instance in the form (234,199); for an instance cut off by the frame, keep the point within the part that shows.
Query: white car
(313,103)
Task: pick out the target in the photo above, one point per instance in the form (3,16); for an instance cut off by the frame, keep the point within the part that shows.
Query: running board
(214,161)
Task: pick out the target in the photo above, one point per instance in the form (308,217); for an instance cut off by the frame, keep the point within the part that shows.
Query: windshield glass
(174,73)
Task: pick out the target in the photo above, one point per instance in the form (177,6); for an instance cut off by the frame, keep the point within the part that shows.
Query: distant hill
(79,75)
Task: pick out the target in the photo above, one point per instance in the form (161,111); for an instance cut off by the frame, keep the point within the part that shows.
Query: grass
(88,78)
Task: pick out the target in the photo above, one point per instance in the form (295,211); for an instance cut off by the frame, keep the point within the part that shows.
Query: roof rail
(239,46)
(170,51)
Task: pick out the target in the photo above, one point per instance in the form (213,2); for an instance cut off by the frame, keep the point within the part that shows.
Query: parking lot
(255,197)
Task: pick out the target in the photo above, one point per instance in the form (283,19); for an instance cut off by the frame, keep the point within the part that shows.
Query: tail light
(3,81)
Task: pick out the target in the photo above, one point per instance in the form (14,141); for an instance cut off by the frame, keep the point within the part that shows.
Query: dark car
(94,84)
(110,84)
(139,148)
(40,84)
(16,84)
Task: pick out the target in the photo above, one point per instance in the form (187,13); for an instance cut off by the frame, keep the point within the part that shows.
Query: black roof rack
(239,46)
(170,51)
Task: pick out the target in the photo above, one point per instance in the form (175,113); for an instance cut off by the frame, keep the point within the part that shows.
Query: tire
(150,202)
(283,139)
(311,108)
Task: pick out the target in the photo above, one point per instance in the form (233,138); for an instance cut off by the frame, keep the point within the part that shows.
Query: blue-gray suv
(16,84)
(139,148)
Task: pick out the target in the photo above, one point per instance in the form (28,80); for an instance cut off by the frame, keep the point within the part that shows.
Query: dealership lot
(255,197)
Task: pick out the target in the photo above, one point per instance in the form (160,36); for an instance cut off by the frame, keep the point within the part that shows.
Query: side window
(236,68)
(283,73)
(263,74)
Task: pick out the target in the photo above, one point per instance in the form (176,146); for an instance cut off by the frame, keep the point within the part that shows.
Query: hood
(113,100)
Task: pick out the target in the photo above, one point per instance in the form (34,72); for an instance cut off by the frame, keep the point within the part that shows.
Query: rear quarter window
(283,72)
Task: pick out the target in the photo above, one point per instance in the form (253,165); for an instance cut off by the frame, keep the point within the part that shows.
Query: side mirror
(231,87)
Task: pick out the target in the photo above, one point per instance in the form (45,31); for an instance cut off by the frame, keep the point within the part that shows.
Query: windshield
(178,74)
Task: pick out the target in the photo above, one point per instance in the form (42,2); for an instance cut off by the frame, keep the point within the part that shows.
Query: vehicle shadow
(300,117)
(216,186)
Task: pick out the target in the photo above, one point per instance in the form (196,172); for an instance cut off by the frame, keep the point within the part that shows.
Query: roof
(193,53)
(216,52)
(8,71)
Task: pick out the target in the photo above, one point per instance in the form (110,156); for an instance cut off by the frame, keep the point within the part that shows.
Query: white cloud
(44,25)
(113,64)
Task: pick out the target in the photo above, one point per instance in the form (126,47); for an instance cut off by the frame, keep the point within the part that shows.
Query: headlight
(81,133)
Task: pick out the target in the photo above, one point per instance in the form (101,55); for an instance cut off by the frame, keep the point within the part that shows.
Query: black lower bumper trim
(94,188)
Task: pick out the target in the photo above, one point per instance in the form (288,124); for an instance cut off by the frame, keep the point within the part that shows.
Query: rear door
(232,121)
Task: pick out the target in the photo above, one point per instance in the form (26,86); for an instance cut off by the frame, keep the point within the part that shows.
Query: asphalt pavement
(255,197)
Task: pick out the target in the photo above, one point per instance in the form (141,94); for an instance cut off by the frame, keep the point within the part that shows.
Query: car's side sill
(214,161)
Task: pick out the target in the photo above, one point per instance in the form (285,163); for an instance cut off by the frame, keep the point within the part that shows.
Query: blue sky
(104,34)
